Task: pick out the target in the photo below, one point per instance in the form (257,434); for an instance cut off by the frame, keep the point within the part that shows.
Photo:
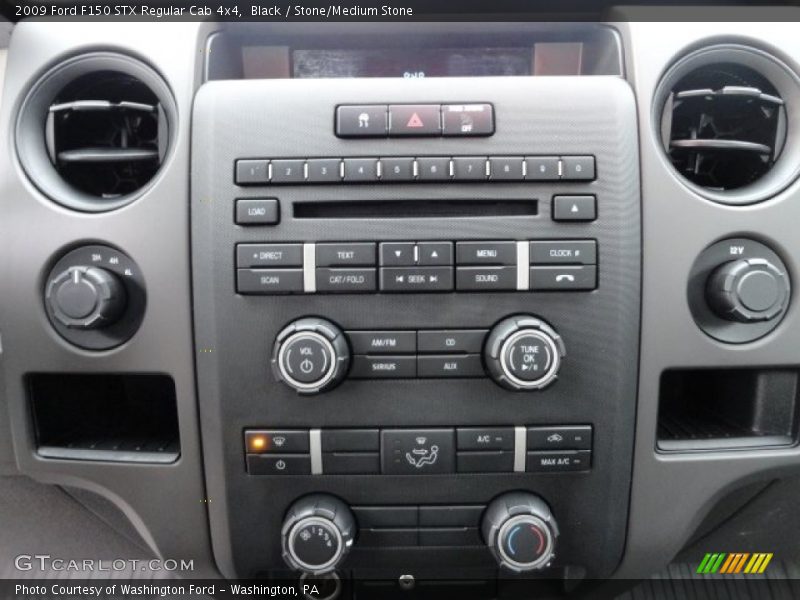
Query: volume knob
(310,355)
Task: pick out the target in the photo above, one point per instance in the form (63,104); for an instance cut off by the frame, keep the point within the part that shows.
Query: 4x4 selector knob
(747,290)
(311,355)
(317,534)
(86,297)
(520,531)
(523,353)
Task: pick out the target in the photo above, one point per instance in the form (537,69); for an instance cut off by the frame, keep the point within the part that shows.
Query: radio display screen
(543,58)
(412,63)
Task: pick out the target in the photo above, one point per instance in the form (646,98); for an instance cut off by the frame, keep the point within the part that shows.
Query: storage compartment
(108,417)
(715,409)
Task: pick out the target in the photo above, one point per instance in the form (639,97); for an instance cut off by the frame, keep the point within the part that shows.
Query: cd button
(468,341)
(269,255)
(414,119)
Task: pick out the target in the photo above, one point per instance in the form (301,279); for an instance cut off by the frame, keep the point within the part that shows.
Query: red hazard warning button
(414,119)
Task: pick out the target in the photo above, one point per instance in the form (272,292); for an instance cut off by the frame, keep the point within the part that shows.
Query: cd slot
(414,209)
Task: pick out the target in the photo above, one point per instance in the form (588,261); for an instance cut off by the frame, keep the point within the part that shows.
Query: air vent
(94,132)
(725,123)
(725,126)
(106,134)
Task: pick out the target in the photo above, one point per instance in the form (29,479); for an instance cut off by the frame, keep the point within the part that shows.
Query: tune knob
(84,297)
(520,531)
(317,534)
(747,290)
(523,353)
(311,355)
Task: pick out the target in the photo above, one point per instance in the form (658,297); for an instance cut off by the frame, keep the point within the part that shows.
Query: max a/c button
(555,462)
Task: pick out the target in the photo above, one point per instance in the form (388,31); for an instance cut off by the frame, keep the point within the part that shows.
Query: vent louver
(106,134)
(723,126)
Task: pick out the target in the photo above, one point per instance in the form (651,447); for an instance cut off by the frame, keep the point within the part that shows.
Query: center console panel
(487,308)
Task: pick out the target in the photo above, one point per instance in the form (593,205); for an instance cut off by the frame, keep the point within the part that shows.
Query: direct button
(414,119)
(269,255)
(306,358)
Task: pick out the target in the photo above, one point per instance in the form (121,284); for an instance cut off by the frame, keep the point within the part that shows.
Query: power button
(306,358)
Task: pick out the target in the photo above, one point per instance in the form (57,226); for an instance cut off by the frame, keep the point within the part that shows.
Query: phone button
(563,278)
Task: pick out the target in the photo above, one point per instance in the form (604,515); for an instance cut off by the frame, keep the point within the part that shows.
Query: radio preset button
(324,170)
(414,119)
(486,253)
(563,278)
(361,120)
(397,169)
(458,365)
(251,171)
(486,279)
(467,119)
(361,169)
(358,254)
(577,168)
(345,281)
(269,255)
(555,252)
(417,279)
(506,168)
(574,208)
(469,341)
(384,367)
(542,168)
(257,211)
(433,168)
(383,342)
(469,168)
(288,171)
(269,281)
